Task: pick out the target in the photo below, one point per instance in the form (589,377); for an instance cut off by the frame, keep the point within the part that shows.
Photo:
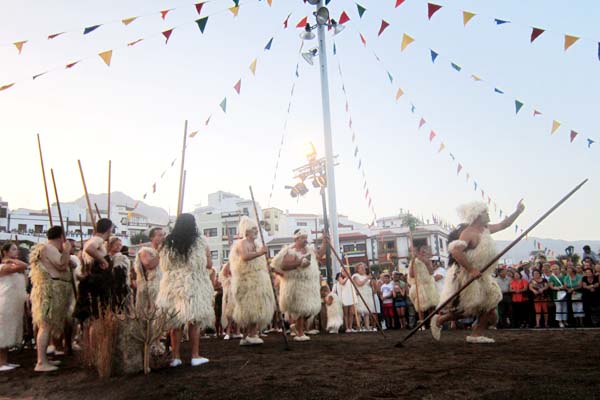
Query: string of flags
(285,122)
(107,55)
(357,154)
(537,245)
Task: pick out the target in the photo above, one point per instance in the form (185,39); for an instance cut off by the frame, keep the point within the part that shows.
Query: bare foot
(45,368)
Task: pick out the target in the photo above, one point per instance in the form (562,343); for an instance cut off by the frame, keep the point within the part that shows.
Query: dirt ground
(521,365)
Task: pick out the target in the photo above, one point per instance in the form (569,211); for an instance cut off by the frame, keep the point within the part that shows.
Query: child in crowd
(335,313)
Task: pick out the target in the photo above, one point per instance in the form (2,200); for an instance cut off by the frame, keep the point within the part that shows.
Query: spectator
(439,275)
(538,286)
(345,292)
(588,253)
(387,295)
(559,294)
(573,285)
(579,270)
(518,288)
(399,293)
(525,272)
(597,269)
(504,306)
(591,297)
(546,274)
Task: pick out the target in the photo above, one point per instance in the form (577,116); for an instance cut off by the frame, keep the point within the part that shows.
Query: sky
(133,112)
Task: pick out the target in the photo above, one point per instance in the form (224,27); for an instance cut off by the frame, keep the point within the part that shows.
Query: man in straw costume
(421,281)
(251,284)
(51,293)
(146,272)
(472,248)
(300,281)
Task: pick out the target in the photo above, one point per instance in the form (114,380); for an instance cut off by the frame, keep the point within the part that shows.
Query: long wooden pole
(45,184)
(108,201)
(262,238)
(57,201)
(80,232)
(183,187)
(87,196)
(492,262)
(180,198)
(97,210)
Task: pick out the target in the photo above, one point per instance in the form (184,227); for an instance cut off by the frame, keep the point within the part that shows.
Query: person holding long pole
(471,248)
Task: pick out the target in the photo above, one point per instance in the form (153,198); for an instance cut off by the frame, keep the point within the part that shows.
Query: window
(361,247)
(225,254)
(3,212)
(276,216)
(245,211)
(231,232)
(22,227)
(267,215)
(276,228)
(390,245)
(441,244)
(38,228)
(347,248)
(214,254)
(210,232)
(302,224)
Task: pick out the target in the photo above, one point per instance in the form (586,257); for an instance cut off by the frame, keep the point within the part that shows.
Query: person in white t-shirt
(439,274)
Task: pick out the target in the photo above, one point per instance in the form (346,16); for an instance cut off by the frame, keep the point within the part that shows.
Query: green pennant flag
(202,23)
(224,105)
(361,10)
(518,106)
(390,77)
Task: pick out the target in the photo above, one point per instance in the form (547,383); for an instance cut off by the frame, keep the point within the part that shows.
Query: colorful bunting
(4,87)
(163,13)
(500,21)
(362,39)
(456,66)
(361,10)
(590,142)
(390,77)
(518,106)
(71,65)
(459,168)
(406,40)
(536,112)
(431,136)
(19,45)
(238,86)
(90,29)
(38,75)
(268,46)
(253,67)
(573,135)
(192,134)
(442,147)
(207,120)
(570,41)
(343,18)
(399,94)
(467,17)
(223,105)
(286,21)
(127,21)
(498,91)
(106,56)
(398,3)
(154,188)
(167,34)
(54,35)
(384,25)
(555,126)
(234,10)
(476,78)
(433,56)
(432,9)
(535,33)
(302,23)
(202,23)
(421,123)
(199,7)
(134,42)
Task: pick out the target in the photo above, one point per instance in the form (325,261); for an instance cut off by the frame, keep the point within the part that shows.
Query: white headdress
(469,212)
(246,224)
(300,232)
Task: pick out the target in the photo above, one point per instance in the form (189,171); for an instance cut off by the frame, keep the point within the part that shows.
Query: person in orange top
(518,287)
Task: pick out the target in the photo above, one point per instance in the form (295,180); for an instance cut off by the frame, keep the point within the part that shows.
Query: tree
(410,221)
(140,237)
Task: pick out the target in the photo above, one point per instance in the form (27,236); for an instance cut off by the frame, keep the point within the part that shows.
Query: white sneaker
(176,362)
(226,337)
(237,336)
(54,362)
(199,361)
(50,350)
(436,331)
(479,339)
(13,365)
(561,325)
(353,330)
(244,342)
(313,332)
(302,338)
(252,340)
(348,331)
(6,367)
(332,331)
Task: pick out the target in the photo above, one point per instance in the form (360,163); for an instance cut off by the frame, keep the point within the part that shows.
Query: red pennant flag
(362,39)
(432,9)
(384,25)
(458,169)
(536,112)
(421,123)
(343,18)
(154,188)
(431,135)
(167,35)
(238,86)
(71,65)
(535,33)
(199,7)
(399,3)
(302,23)
(573,135)
(163,13)
(54,35)
(482,194)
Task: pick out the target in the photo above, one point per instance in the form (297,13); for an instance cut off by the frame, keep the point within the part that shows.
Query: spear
(44,177)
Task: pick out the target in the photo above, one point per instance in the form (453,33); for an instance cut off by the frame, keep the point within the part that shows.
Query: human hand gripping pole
(493,261)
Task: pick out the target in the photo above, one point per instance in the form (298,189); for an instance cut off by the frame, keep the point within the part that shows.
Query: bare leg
(252,330)
(367,320)
(3,356)
(176,342)
(484,320)
(42,340)
(300,326)
(194,333)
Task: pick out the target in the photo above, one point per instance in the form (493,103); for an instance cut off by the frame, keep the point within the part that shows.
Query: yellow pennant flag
(467,17)
(127,21)
(106,56)
(399,94)
(19,45)
(406,40)
(234,10)
(475,78)
(570,41)
(555,126)
(442,147)
(193,134)
(270,2)
(253,67)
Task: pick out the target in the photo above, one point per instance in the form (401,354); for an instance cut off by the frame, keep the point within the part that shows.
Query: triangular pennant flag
(536,112)
(356,151)
(134,42)
(38,75)
(535,33)
(238,86)
(173,162)
(384,25)
(334,49)
(343,18)
(467,17)
(144,197)
(390,77)
(456,66)
(302,23)
(268,46)
(452,157)
(482,194)
(167,34)
(518,106)
(399,2)
(468,176)
(475,185)
(412,108)
(4,87)
(234,10)
(192,135)
(19,45)
(136,204)
(433,56)
(350,123)
(590,142)
(399,93)
(54,35)
(570,41)
(253,67)
(498,91)
(270,3)
(573,135)
(71,65)
(163,13)
(207,120)
(362,39)
(500,21)
(224,105)
(106,56)
(202,23)
(458,169)
(475,78)
(127,21)
(406,40)
(165,171)
(361,10)
(432,9)
(431,136)
(199,7)
(442,147)
(286,21)
(555,126)
(347,107)
(90,29)
(421,123)
(154,188)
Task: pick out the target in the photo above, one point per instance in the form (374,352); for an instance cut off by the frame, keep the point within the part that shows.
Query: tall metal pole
(180,197)
(333,217)
(326,229)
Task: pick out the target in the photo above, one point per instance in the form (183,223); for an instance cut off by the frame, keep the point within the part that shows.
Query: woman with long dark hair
(186,291)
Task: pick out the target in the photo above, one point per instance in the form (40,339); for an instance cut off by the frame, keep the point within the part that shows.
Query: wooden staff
(57,200)
(109,176)
(97,210)
(492,262)
(44,177)
(87,197)
(277,310)
(181,172)
(80,232)
(353,284)
(183,188)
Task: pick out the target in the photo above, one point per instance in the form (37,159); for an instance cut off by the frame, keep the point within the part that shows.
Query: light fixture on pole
(307,33)
(322,16)
(310,55)
(337,28)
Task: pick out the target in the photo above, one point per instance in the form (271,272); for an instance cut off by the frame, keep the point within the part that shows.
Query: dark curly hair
(183,236)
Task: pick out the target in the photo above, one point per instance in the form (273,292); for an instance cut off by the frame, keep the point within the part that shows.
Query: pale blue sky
(133,111)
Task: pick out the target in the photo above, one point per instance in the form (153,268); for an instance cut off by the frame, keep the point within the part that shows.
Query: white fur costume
(185,287)
(367,294)
(12,306)
(228,304)
(428,294)
(483,294)
(299,289)
(251,289)
(51,299)
(335,313)
(147,281)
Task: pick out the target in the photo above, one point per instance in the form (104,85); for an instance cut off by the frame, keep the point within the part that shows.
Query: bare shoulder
(470,235)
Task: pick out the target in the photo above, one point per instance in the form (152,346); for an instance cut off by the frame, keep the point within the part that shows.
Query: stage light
(322,15)
(307,33)
(309,56)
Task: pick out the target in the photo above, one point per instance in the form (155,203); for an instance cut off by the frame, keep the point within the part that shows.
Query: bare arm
(209,264)
(508,221)
(290,262)
(59,261)
(360,282)
(247,254)
(458,252)
(10,267)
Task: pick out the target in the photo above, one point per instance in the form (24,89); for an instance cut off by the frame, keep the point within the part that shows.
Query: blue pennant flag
(268,46)
(590,143)
(498,91)
(90,29)
(500,21)
(456,67)
(434,55)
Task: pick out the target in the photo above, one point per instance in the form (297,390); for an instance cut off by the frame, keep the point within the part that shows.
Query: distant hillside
(522,249)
